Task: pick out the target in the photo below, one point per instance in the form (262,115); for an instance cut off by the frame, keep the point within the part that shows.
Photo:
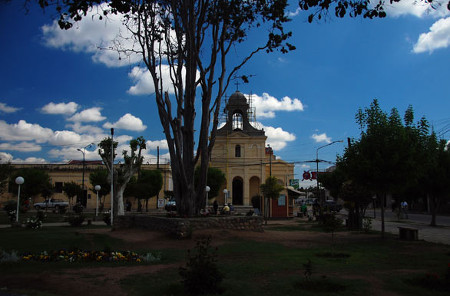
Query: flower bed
(90,256)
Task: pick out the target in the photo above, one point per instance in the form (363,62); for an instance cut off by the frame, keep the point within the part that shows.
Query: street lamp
(207,189)
(317,163)
(84,161)
(97,188)
(19,181)
(225,191)
(112,174)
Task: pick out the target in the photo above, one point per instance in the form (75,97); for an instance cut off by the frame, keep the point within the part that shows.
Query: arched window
(237,151)
(237,121)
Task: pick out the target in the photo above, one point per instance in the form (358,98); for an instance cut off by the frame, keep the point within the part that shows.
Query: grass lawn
(250,266)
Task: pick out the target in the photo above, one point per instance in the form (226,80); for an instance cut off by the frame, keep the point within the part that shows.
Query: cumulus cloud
(22,147)
(30,160)
(60,108)
(90,129)
(143,82)
(24,131)
(438,37)
(162,144)
(266,105)
(100,38)
(5,157)
(417,8)
(70,153)
(8,109)
(321,138)
(127,122)
(88,115)
(277,138)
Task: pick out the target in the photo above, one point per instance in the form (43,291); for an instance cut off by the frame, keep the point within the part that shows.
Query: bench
(408,233)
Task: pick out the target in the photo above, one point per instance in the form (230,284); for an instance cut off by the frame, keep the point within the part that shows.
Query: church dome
(237,99)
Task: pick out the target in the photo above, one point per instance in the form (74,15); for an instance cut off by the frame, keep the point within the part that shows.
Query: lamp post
(207,189)
(112,174)
(317,163)
(97,188)
(19,181)
(82,180)
(225,191)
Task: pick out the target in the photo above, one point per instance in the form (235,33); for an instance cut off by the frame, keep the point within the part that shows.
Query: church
(240,151)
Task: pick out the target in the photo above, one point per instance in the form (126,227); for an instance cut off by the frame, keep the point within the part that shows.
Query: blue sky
(59,93)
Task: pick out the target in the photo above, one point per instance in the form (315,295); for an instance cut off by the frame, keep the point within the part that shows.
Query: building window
(237,121)
(58,187)
(237,151)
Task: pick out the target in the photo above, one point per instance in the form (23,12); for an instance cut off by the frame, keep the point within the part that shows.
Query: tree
(384,159)
(215,180)
(72,189)
(37,182)
(270,190)
(100,177)
(123,172)
(437,174)
(147,185)
(191,41)
(5,172)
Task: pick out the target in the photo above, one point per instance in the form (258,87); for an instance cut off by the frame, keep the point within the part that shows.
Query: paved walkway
(438,234)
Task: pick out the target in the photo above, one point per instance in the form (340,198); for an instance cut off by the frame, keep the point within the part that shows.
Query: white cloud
(31,160)
(417,8)
(143,82)
(88,115)
(65,138)
(8,109)
(23,131)
(266,105)
(97,37)
(322,138)
(60,108)
(70,153)
(291,14)
(127,122)
(22,147)
(162,144)
(90,129)
(277,138)
(5,157)
(438,37)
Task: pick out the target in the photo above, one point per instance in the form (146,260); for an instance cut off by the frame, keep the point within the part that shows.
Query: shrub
(107,218)
(10,208)
(75,220)
(36,222)
(201,275)
(367,224)
(78,208)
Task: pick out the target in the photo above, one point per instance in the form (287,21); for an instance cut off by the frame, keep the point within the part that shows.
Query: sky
(60,91)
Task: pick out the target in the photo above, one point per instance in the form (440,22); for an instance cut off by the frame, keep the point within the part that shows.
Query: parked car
(331,206)
(171,206)
(52,203)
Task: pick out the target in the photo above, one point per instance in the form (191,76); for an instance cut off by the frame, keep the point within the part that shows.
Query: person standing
(215,207)
(404,206)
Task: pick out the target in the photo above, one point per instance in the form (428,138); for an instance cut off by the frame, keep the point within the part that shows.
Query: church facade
(240,151)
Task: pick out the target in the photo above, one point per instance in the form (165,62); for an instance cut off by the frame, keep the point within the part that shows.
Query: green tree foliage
(271,188)
(122,172)
(5,172)
(215,180)
(37,182)
(72,189)
(385,158)
(436,174)
(147,185)
(100,177)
